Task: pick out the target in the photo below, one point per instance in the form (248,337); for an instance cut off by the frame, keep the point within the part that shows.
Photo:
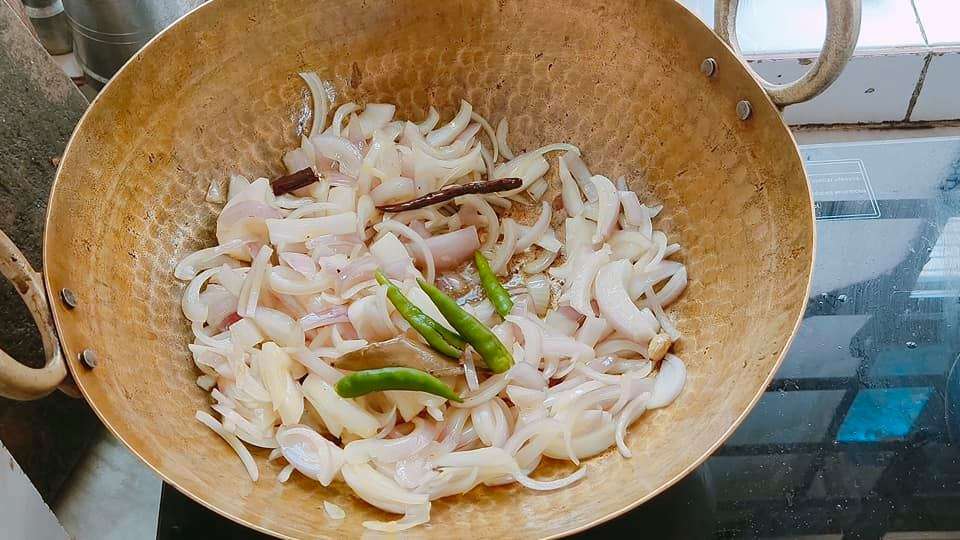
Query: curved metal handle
(843,29)
(18,381)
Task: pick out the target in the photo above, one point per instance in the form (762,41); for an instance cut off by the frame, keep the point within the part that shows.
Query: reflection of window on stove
(883,414)
(852,434)
(940,276)
(952,177)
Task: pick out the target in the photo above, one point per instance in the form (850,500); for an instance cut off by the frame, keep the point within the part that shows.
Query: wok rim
(798,317)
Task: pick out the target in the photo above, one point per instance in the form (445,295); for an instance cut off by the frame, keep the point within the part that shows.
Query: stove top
(856,436)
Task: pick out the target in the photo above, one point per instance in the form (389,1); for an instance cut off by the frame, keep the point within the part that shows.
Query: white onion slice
(504,252)
(532,234)
(503,130)
(200,260)
(429,122)
(285,473)
(446,134)
(248,463)
(489,214)
(312,455)
(669,382)
(616,305)
(569,191)
(333,511)
(581,174)
(630,413)
(608,207)
(193,309)
(321,101)
(253,283)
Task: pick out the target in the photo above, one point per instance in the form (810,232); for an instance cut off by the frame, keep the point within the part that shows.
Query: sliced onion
(430,121)
(249,464)
(504,252)
(470,371)
(379,490)
(303,264)
(284,391)
(375,116)
(487,391)
(452,249)
(393,190)
(569,191)
(283,231)
(618,308)
(489,215)
(631,245)
(200,260)
(634,213)
(541,262)
(539,287)
(193,309)
(331,315)
(339,149)
(446,134)
(333,511)
(580,290)
(321,101)
(653,302)
(669,382)
(630,413)
(253,283)
(532,234)
(503,130)
(540,485)
(582,175)
(338,413)
(608,207)
(593,330)
(418,241)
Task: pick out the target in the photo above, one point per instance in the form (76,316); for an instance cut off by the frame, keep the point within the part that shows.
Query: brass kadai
(625,80)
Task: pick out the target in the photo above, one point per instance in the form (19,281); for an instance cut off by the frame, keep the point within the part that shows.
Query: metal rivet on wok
(88,358)
(708,67)
(69,298)
(744,109)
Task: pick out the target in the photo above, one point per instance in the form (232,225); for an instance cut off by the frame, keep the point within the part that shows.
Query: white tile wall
(798,26)
(871,89)
(940,20)
(896,37)
(940,97)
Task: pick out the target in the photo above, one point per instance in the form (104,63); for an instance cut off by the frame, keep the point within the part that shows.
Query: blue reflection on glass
(883,414)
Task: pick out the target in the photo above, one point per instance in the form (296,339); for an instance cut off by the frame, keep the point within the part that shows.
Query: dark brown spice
(294,181)
(452,192)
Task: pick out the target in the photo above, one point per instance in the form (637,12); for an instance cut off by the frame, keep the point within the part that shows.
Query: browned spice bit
(452,192)
(294,181)
(557,204)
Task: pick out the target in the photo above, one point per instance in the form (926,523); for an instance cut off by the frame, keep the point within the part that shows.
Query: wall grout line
(919,88)
(916,12)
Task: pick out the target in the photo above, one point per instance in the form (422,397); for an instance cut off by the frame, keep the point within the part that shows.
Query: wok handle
(843,29)
(18,381)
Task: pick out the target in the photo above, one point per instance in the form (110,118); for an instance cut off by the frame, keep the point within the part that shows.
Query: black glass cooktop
(856,436)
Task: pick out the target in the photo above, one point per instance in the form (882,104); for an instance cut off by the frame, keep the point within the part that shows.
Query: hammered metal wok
(624,80)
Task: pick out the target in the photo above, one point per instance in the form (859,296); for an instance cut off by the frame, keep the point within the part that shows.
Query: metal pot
(641,86)
(107,33)
(50,22)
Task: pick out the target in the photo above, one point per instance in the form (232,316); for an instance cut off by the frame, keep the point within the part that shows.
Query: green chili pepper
(491,285)
(493,352)
(437,336)
(360,383)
